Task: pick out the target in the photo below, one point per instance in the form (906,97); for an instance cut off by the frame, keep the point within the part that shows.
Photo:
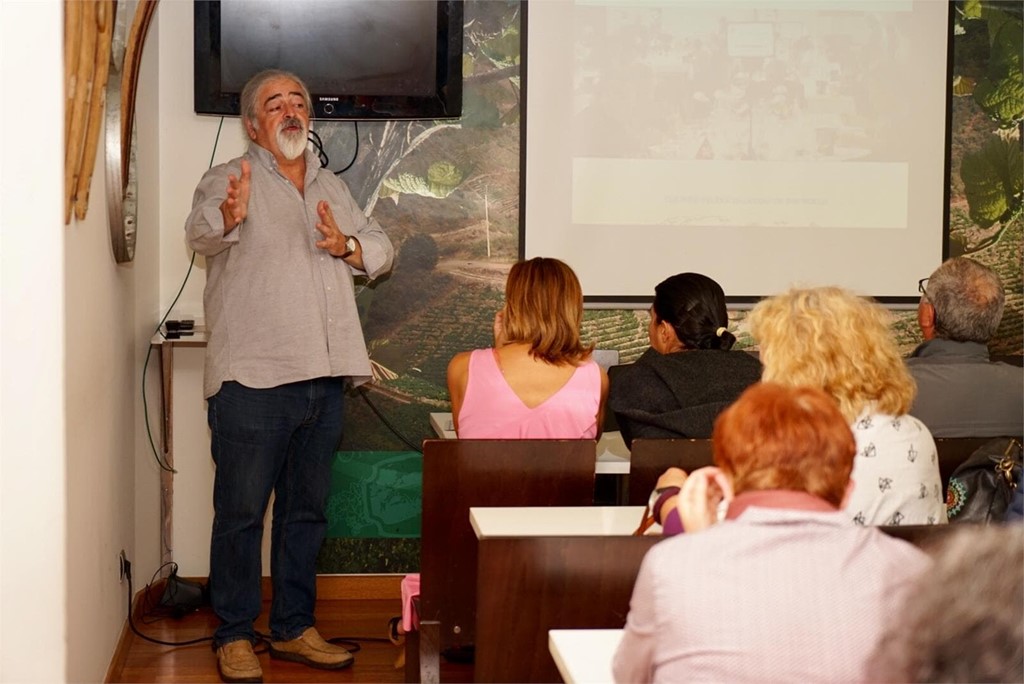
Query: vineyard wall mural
(448,195)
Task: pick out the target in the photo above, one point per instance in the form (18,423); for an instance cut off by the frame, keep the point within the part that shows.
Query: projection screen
(765,144)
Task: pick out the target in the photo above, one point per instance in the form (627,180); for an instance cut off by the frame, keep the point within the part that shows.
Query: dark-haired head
(692,306)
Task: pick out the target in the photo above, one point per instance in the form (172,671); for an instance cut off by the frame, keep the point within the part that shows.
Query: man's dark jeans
(279,440)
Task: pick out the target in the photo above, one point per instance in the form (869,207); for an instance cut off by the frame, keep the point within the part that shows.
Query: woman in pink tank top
(539,381)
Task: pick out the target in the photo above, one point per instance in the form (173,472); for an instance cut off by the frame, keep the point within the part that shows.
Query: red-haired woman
(784,588)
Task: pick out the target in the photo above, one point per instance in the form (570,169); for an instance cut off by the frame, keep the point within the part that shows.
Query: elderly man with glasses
(961,392)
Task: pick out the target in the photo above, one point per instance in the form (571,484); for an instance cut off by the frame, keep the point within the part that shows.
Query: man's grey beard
(291,143)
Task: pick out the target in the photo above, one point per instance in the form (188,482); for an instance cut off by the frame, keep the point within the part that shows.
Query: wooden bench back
(649,458)
(535,584)
(459,474)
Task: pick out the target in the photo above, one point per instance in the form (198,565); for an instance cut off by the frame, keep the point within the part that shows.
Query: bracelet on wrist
(659,497)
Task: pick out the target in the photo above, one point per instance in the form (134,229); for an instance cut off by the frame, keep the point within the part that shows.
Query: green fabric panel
(375,494)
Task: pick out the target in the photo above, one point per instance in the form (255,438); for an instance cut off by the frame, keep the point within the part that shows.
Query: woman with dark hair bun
(680,384)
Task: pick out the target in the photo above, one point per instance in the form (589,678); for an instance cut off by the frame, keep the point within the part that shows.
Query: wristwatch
(350,246)
(658,498)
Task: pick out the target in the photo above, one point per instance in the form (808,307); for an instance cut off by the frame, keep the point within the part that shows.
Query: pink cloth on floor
(410,590)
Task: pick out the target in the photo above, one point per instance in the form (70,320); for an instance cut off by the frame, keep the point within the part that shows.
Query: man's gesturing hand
(235,207)
(334,239)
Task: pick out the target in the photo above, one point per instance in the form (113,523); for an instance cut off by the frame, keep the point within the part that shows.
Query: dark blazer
(663,396)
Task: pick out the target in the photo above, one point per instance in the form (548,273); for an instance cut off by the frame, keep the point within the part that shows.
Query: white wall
(109,315)
(33,585)
(73,340)
(186,143)
(100,381)
(146,307)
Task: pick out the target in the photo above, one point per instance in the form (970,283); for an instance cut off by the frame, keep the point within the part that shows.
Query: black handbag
(981,487)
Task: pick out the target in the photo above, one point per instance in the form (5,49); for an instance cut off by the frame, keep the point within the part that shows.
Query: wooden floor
(360,619)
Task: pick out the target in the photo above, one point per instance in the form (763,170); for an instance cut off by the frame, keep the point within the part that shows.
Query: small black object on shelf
(175,329)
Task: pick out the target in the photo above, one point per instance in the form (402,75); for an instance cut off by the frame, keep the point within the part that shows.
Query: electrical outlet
(122,561)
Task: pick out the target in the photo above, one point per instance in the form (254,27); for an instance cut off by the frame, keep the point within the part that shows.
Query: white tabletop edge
(573,651)
(555,521)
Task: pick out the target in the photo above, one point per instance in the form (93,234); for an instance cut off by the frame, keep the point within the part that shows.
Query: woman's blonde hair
(544,308)
(830,338)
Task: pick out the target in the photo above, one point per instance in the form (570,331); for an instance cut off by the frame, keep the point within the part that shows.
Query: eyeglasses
(921,286)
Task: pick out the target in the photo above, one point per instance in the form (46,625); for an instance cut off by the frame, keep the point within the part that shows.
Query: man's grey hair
(968,298)
(962,620)
(248,104)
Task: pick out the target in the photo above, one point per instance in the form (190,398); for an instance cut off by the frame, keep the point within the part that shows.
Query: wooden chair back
(611,422)
(461,473)
(649,458)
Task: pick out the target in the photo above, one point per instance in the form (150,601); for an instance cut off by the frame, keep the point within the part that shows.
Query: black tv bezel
(445,103)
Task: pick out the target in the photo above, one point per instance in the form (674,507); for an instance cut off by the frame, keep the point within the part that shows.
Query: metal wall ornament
(121,144)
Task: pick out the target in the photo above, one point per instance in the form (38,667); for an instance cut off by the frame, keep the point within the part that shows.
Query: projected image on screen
(798,91)
(763,122)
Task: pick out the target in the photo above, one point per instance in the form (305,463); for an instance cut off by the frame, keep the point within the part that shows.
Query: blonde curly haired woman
(832,339)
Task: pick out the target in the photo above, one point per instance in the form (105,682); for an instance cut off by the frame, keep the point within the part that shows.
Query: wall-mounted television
(360,59)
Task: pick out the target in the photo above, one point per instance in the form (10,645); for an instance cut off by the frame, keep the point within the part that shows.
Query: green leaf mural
(963,86)
(442,295)
(443,177)
(441,180)
(972,9)
(1001,92)
(502,50)
(479,111)
(992,181)
(1003,100)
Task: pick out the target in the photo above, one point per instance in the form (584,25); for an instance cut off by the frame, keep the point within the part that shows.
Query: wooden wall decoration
(87,35)
(101,72)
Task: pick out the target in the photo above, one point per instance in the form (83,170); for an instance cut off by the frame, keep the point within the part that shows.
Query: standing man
(282,239)
(961,392)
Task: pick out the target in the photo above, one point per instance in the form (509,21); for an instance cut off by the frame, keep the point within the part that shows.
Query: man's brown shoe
(237,662)
(309,648)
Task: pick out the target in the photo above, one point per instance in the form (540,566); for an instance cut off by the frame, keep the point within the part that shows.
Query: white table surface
(557,521)
(443,425)
(612,454)
(584,656)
